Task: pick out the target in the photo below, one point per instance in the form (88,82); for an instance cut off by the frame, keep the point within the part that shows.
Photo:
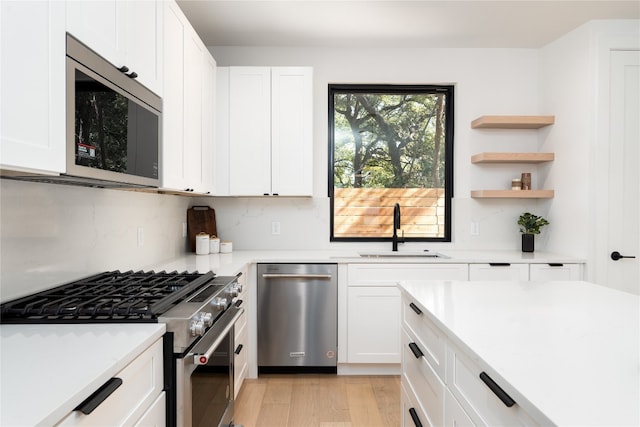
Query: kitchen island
(48,370)
(567,353)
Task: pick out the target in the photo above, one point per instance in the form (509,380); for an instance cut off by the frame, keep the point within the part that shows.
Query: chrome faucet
(396,226)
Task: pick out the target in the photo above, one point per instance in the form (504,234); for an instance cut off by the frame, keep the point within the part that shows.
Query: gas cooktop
(112,296)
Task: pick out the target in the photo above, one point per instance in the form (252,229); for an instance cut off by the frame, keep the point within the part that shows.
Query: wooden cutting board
(200,219)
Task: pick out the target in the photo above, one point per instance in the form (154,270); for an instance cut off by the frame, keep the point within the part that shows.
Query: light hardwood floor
(319,401)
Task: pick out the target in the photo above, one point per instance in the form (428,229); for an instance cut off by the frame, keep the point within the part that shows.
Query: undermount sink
(400,254)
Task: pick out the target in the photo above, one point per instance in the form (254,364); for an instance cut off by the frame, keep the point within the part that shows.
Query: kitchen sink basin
(400,254)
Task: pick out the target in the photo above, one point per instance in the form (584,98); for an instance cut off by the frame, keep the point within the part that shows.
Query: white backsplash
(52,234)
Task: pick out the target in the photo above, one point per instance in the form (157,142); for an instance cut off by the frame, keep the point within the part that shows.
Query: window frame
(448,90)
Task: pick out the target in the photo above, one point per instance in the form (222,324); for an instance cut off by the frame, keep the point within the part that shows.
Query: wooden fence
(368,212)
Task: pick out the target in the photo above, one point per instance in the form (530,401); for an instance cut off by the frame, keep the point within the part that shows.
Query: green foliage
(530,223)
(101,122)
(389,140)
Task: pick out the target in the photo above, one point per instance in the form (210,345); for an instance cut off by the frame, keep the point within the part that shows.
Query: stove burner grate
(106,297)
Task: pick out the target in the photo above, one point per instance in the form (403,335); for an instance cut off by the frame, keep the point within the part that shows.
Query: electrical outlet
(475,228)
(275,227)
(140,236)
(184,229)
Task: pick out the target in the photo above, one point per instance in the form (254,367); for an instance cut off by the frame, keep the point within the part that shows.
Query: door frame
(598,254)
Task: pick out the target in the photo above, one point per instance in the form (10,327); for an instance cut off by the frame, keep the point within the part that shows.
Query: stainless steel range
(199,311)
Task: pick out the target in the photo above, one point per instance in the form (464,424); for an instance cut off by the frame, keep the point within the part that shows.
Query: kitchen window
(390,144)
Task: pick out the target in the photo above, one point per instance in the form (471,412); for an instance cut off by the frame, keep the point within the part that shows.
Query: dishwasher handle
(295,276)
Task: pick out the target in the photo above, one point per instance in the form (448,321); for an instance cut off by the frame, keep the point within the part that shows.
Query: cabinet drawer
(423,380)
(432,341)
(241,324)
(412,413)
(391,274)
(541,272)
(240,362)
(156,415)
(142,383)
(499,271)
(482,405)
(454,415)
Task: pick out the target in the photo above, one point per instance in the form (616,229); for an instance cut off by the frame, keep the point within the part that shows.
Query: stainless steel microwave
(114,123)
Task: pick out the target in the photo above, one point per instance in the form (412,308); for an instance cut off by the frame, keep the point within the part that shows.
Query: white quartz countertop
(47,370)
(231,263)
(569,351)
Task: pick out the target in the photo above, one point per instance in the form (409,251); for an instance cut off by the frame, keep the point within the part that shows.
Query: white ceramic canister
(202,243)
(226,247)
(214,245)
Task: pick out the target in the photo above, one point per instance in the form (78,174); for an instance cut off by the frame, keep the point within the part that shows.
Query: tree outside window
(390,144)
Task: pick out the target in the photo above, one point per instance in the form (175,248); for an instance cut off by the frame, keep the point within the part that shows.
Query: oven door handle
(203,350)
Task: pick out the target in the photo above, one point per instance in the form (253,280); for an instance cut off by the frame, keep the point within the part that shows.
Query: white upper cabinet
(32,113)
(249,131)
(189,101)
(292,131)
(265,131)
(125,33)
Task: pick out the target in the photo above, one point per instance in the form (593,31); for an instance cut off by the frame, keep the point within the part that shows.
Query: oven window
(211,386)
(112,132)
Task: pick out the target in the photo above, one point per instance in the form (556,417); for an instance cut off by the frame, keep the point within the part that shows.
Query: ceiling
(395,23)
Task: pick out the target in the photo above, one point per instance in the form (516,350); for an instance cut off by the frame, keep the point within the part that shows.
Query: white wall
(487,81)
(52,234)
(574,82)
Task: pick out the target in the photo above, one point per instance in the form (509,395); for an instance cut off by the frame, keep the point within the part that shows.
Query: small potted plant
(530,225)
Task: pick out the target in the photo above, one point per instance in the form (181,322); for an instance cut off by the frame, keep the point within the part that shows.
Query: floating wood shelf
(512,157)
(512,194)
(512,122)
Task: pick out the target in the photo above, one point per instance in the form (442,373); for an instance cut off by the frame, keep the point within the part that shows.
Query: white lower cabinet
(412,413)
(241,336)
(525,272)
(419,376)
(139,397)
(373,306)
(454,415)
(156,415)
(373,324)
(487,401)
(499,271)
(446,383)
(541,272)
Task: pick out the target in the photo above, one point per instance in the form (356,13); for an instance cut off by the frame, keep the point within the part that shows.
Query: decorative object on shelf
(516,184)
(530,225)
(525,180)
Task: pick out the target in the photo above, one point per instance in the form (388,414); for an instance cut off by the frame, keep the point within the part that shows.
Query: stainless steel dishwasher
(297,318)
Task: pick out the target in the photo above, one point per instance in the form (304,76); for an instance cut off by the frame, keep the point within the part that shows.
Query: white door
(624,176)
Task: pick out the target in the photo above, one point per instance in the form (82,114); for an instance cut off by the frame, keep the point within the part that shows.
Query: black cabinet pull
(123,69)
(239,303)
(238,349)
(99,396)
(499,264)
(416,350)
(132,75)
(495,388)
(415,308)
(414,417)
(556,264)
